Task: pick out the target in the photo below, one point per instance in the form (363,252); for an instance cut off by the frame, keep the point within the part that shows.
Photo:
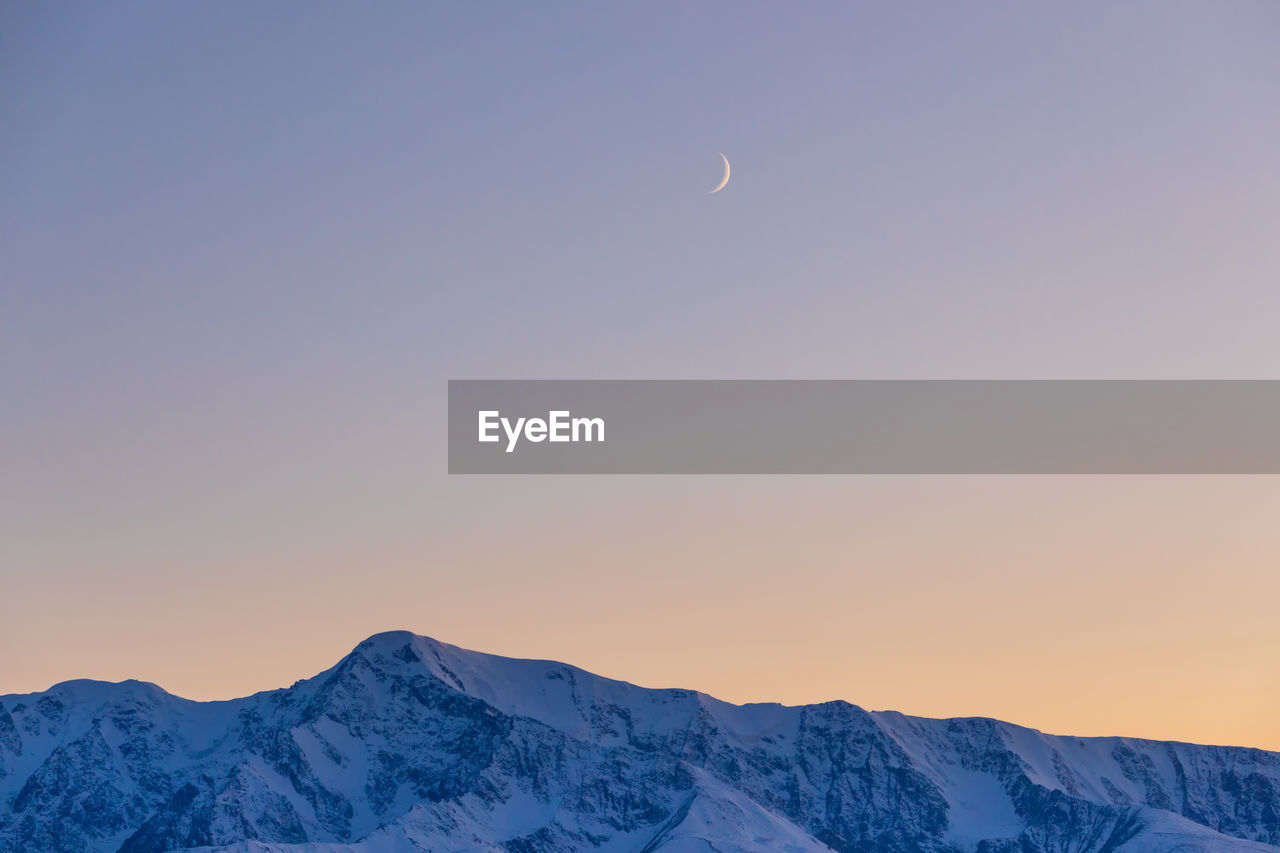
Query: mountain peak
(412,743)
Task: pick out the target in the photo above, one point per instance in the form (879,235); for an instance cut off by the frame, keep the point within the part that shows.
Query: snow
(583,757)
(979,808)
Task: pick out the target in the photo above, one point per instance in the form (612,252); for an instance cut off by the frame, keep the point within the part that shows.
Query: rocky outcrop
(408,743)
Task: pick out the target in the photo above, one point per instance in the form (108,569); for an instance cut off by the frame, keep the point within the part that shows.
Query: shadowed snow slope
(408,744)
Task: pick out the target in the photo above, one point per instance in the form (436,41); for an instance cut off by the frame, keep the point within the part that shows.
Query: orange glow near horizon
(1089,606)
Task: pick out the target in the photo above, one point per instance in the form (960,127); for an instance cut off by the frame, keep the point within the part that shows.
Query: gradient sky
(242,248)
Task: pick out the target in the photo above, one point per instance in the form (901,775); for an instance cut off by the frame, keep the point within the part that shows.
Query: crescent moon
(725,179)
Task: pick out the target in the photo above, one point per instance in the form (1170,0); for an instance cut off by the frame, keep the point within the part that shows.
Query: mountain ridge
(393,635)
(411,743)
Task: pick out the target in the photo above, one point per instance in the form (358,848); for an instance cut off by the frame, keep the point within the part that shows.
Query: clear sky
(242,248)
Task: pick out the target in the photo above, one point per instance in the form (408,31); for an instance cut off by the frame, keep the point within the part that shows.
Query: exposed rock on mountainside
(409,744)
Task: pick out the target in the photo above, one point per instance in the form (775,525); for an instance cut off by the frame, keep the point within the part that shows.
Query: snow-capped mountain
(409,744)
